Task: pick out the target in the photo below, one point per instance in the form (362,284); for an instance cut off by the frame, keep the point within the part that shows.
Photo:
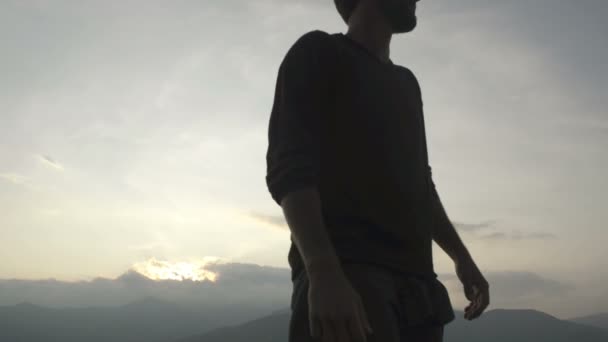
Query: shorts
(400,308)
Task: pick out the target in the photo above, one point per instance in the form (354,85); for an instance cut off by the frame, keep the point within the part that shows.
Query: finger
(356,329)
(485,300)
(471,308)
(362,313)
(327,334)
(357,325)
(474,312)
(469,312)
(340,328)
(478,306)
(315,326)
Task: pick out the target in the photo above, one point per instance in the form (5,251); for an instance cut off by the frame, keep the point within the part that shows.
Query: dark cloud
(253,285)
(236,283)
(473,227)
(235,273)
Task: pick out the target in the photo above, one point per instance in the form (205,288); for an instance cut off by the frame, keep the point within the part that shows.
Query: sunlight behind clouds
(181,270)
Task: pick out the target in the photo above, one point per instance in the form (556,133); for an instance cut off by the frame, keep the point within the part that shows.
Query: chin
(405,26)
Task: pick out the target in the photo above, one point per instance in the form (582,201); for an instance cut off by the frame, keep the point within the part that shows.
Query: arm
(293,158)
(302,98)
(476,288)
(302,210)
(444,233)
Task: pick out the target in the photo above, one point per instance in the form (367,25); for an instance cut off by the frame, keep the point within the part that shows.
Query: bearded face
(400,14)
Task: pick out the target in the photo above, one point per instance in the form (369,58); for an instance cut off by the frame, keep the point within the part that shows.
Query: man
(348,164)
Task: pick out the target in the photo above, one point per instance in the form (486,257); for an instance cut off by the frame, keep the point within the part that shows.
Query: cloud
(50,162)
(166,270)
(516,235)
(236,284)
(480,230)
(14,178)
(472,227)
(276,221)
(241,285)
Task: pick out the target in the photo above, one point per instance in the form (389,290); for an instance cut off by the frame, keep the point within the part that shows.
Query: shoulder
(408,75)
(315,38)
(313,43)
(406,72)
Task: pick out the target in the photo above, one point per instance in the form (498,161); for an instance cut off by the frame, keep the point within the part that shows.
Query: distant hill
(148,319)
(153,320)
(598,320)
(502,325)
(268,329)
(496,325)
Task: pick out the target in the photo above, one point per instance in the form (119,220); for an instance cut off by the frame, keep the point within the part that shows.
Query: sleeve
(301,101)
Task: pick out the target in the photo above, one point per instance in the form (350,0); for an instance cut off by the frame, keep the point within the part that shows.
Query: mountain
(598,320)
(271,328)
(148,319)
(502,325)
(497,325)
(153,320)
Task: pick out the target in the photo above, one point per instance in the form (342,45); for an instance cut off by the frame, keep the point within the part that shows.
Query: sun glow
(167,270)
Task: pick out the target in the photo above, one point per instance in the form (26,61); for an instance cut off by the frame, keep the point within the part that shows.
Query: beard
(400,14)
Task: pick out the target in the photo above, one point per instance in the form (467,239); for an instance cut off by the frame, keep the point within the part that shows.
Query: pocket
(444,312)
(298,286)
(415,301)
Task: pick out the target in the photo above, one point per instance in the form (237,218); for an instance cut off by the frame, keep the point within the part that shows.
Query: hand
(476,288)
(336,312)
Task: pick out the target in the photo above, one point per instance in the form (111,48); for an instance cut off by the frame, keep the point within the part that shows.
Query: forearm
(444,233)
(302,210)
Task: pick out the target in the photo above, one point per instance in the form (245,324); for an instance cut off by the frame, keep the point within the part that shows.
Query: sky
(137,130)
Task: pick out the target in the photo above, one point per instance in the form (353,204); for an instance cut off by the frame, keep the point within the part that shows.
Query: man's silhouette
(348,164)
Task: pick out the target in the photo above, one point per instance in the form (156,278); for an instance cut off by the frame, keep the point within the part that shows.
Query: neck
(368,28)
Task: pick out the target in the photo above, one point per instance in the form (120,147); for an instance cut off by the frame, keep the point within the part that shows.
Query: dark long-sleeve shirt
(352,126)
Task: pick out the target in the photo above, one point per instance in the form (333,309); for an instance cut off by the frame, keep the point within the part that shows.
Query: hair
(346,8)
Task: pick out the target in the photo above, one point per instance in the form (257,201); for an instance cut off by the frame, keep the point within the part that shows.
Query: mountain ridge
(497,325)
